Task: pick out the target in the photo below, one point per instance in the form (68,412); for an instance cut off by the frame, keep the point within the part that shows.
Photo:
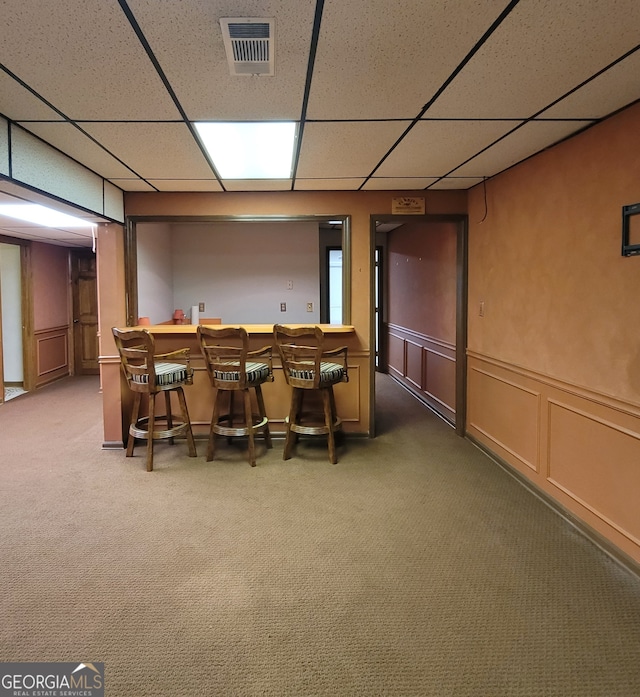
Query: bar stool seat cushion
(329,372)
(166,374)
(256,372)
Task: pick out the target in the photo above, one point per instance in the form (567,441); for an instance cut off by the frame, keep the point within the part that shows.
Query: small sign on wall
(408,205)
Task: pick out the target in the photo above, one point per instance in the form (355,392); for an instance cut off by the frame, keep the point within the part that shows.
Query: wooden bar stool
(149,373)
(307,366)
(232,368)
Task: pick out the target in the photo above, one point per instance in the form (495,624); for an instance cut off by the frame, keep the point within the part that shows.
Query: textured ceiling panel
(605,94)
(19,103)
(71,141)
(433,148)
(186,184)
(153,150)
(84,58)
(456,183)
(532,137)
(398,183)
(381,59)
(328,184)
(324,148)
(187,40)
(541,51)
(132,184)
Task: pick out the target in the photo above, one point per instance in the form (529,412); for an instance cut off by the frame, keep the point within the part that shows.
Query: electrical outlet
(283,307)
(289,285)
(309,307)
(481,313)
(200,307)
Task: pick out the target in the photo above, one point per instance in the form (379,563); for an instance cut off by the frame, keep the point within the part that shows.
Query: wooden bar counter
(351,397)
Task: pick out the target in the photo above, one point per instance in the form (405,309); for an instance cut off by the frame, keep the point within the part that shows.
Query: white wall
(240,270)
(11,296)
(155,272)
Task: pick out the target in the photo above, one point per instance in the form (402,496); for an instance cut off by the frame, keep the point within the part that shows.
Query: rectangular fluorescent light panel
(250,150)
(41,215)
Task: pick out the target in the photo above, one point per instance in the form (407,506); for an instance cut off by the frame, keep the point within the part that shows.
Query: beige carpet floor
(415,566)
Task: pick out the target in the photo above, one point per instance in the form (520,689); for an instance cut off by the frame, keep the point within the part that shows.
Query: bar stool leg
(131,441)
(151,426)
(328,421)
(296,399)
(167,401)
(249,423)
(211,445)
(263,415)
(185,419)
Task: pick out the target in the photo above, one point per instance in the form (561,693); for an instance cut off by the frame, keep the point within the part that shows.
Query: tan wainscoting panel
(52,354)
(585,445)
(596,462)
(426,366)
(513,432)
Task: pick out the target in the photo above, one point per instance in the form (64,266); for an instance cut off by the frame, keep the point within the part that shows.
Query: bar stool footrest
(259,422)
(141,428)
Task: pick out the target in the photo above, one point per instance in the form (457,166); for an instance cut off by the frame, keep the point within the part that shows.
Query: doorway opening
(12,382)
(418,301)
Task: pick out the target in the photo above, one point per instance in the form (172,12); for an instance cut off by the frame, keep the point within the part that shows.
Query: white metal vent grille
(248,42)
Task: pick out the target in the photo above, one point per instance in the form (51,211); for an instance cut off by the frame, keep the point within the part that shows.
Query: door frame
(462,253)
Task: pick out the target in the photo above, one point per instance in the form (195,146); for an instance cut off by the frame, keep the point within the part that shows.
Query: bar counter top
(252,329)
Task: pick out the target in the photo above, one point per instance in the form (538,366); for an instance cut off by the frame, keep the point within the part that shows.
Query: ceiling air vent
(248,42)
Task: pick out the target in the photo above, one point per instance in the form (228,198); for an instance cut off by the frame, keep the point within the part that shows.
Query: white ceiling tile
(153,150)
(186,184)
(526,141)
(69,50)
(456,183)
(131,184)
(603,95)
(433,148)
(538,54)
(381,59)
(71,141)
(328,184)
(18,103)
(397,183)
(187,40)
(325,147)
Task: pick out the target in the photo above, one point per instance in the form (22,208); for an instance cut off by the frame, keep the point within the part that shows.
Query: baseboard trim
(112,445)
(618,556)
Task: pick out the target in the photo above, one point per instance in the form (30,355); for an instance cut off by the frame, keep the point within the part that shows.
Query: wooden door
(85,313)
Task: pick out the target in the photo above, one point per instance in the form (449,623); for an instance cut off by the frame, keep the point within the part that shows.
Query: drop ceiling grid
(324,145)
(70,140)
(187,40)
(328,184)
(434,148)
(527,140)
(70,50)
(186,184)
(603,95)
(153,150)
(398,183)
(537,55)
(18,103)
(378,59)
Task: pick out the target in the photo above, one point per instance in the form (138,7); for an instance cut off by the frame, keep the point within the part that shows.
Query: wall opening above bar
(241,270)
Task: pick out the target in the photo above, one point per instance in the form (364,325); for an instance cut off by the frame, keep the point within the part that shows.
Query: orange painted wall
(559,297)
(554,364)
(422,278)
